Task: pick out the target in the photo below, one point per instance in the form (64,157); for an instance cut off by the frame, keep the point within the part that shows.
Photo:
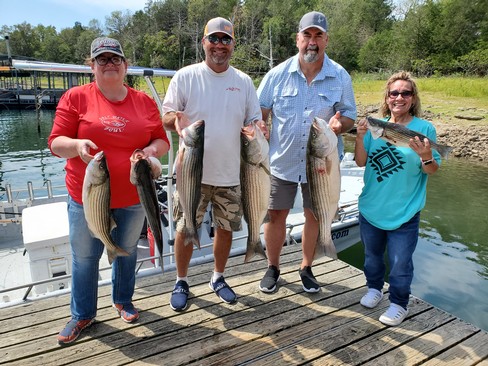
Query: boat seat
(45,225)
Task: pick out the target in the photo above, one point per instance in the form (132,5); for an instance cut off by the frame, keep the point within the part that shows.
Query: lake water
(451,260)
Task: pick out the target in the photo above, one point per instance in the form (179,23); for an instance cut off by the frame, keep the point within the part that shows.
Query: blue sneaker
(179,296)
(223,290)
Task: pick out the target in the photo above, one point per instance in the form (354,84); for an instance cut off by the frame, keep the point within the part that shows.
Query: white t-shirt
(225,101)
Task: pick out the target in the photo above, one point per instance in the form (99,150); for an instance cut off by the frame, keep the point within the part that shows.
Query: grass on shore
(443,97)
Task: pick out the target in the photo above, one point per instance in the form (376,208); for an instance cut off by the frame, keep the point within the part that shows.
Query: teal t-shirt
(394,183)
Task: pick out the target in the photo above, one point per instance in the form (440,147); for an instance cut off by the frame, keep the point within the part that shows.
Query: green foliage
(427,37)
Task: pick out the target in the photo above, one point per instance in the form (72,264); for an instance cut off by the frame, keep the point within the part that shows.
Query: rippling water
(451,260)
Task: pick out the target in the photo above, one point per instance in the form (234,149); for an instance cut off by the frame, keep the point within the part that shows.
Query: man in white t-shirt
(225,98)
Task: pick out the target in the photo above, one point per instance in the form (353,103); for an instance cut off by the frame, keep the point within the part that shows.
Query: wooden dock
(289,327)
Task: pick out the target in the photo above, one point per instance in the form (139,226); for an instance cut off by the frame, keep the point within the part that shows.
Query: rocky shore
(466,132)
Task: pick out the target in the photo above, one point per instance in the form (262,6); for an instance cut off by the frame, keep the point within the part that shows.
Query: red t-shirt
(117,128)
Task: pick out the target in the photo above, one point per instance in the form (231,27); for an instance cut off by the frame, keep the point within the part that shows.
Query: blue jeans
(87,251)
(400,245)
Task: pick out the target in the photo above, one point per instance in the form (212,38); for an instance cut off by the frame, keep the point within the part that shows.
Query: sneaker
(371,298)
(128,313)
(223,290)
(72,331)
(309,282)
(394,315)
(270,279)
(179,296)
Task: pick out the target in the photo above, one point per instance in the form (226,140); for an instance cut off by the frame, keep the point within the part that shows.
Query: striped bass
(96,205)
(189,171)
(400,135)
(255,185)
(324,180)
(142,174)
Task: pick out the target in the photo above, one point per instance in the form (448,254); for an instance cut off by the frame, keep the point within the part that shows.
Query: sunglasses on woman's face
(396,93)
(225,40)
(102,60)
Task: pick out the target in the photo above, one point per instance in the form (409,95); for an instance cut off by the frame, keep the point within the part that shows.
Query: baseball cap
(313,19)
(219,25)
(105,44)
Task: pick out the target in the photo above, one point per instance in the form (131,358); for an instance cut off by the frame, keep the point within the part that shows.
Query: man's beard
(311,56)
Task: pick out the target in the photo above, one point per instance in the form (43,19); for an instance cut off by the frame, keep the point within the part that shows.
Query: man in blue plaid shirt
(305,86)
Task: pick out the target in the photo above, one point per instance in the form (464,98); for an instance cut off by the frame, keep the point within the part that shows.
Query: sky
(62,13)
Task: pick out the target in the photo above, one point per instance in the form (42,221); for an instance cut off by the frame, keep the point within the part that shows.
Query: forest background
(426,37)
(444,43)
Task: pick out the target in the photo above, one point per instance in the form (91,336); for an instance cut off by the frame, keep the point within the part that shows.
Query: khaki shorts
(226,208)
(283,194)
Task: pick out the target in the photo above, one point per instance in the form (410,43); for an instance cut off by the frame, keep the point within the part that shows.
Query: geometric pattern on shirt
(386,161)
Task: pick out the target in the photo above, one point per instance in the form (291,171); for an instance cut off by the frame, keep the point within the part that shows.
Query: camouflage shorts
(225,203)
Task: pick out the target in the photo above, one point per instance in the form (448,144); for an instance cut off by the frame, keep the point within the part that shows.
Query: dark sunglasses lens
(226,40)
(396,93)
(213,39)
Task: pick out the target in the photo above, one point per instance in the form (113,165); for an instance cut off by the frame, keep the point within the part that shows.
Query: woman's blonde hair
(415,109)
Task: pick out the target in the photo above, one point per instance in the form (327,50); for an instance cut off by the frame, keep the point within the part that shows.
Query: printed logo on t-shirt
(386,161)
(114,123)
(233,88)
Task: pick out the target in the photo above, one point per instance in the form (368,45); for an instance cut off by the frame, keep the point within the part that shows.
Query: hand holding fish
(153,162)
(83,148)
(181,122)
(421,147)
(335,123)
(263,127)
(361,128)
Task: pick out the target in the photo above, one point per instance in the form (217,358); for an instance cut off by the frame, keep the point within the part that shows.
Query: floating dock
(288,327)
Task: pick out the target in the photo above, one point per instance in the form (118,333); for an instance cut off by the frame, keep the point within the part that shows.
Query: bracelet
(427,162)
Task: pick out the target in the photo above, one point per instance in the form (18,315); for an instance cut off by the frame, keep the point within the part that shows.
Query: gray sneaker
(309,282)
(270,279)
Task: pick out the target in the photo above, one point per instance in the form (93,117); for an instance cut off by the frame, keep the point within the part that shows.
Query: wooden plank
(427,345)
(153,305)
(468,352)
(191,340)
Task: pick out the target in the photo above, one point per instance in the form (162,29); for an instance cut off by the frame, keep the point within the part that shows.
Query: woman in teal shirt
(394,193)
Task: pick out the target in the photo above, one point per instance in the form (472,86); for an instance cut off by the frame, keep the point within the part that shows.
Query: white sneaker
(394,315)
(372,298)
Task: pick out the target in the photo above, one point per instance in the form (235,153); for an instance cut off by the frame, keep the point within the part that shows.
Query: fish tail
(326,248)
(114,253)
(253,249)
(444,151)
(192,238)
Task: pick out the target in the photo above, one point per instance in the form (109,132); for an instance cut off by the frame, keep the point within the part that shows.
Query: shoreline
(468,139)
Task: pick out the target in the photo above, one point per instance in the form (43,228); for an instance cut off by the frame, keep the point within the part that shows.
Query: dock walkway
(288,327)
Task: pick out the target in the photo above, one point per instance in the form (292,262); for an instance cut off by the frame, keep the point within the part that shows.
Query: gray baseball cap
(105,44)
(219,25)
(313,19)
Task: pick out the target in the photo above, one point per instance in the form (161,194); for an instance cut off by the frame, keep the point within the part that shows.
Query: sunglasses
(102,60)
(225,40)
(396,93)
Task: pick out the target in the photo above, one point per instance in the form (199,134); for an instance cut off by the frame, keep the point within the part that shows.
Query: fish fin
(117,252)
(113,225)
(265,168)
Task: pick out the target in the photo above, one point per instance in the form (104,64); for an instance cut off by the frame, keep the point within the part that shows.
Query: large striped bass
(400,135)
(255,185)
(142,174)
(324,180)
(96,205)
(189,171)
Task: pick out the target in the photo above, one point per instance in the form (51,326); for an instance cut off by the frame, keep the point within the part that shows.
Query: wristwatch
(427,162)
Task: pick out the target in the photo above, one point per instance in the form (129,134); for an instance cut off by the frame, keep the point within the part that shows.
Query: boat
(35,257)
